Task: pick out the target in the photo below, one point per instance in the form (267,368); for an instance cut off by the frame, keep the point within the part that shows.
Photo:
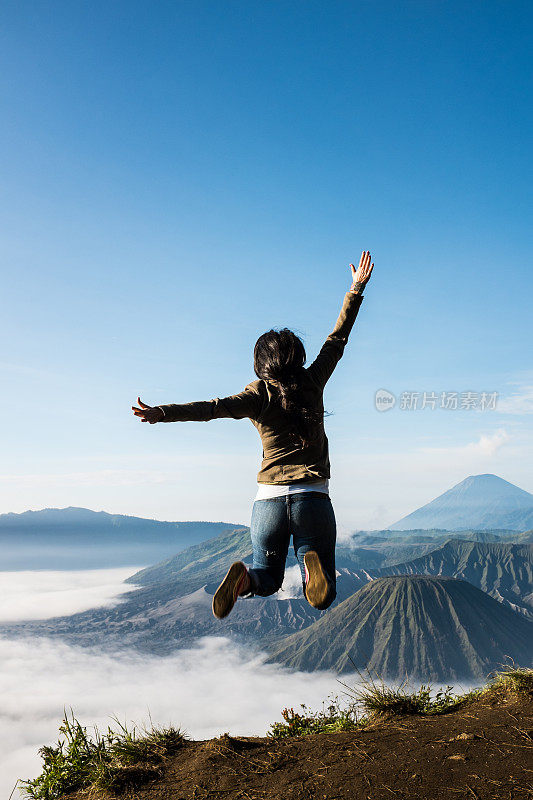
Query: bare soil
(482,752)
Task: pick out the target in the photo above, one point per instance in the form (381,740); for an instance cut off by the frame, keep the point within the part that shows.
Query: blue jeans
(309,517)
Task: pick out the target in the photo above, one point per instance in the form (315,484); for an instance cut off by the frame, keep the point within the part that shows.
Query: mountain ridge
(69,514)
(501,569)
(79,538)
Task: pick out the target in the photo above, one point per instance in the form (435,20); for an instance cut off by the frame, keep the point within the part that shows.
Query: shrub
(332,719)
(114,761)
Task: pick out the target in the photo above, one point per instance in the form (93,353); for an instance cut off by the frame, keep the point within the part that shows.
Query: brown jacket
(283,461)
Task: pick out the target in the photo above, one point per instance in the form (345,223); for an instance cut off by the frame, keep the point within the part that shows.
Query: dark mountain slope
(201,563)
(524,538)
(422,627)
(397,547)
(505,571)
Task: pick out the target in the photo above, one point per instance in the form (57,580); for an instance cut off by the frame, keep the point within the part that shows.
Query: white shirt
(266,490)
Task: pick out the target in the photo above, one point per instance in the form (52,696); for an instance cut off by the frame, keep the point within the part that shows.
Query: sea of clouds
(206,690)
(43,594)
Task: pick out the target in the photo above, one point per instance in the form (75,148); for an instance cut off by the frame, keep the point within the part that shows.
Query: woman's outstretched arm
(322,367)
(237,406)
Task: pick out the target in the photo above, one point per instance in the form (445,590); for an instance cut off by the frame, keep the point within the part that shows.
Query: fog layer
(42,594)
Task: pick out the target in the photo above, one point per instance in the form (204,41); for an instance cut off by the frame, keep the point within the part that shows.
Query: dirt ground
(482,752)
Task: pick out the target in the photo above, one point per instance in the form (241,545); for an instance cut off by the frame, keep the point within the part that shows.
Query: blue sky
(179,177)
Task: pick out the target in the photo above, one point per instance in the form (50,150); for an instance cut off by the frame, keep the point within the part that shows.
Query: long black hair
(279,357)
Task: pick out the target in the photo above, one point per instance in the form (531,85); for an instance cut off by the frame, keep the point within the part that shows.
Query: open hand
(151,414)
(361,275)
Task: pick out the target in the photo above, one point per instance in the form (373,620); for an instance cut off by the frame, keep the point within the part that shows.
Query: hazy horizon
(344,530)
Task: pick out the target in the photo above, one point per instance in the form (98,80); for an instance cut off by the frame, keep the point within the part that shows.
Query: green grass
(113,761)
(375,699)
(332,719)
(378,699)
(514,681)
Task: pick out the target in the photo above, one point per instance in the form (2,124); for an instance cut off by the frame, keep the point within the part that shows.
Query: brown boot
(316,583)
(236,582)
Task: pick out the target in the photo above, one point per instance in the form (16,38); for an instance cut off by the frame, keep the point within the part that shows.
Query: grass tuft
(512,681)
(114,761)
(379,700)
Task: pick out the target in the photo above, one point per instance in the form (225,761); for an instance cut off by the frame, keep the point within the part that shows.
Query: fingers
(140,412)
(143,417)
(142,405)
(364,260)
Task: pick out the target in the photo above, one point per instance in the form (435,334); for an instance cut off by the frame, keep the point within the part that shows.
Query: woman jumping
(286,407)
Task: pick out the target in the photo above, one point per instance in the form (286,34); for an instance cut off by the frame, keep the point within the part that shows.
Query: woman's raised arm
(331,352)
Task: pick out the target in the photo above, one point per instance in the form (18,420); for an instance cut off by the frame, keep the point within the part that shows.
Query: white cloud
(43,594)
(518,402)
(488,444)
(292,584)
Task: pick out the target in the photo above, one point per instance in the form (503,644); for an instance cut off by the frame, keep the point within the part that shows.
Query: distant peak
(486,476)
(479,502)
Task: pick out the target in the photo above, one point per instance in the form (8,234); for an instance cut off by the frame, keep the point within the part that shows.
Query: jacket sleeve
(246,404)
(322,367)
